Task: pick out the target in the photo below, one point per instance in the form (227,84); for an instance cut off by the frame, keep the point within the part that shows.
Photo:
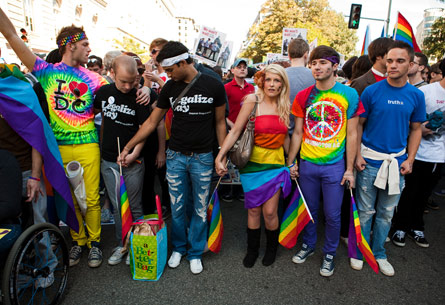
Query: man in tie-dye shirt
(326,118)
(70,89)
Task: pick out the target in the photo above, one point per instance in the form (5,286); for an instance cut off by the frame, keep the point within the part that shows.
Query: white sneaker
(116,257)
(196,266)
(356,264)
(127,260)
(385,267)
(175,259)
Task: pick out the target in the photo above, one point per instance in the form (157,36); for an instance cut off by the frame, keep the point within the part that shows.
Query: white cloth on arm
(389,170)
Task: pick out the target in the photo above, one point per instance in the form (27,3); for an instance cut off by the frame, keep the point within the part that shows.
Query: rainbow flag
(366,41)
(21,109)
(216,229)
(295,218)
(126,217)
(356,240)
(404,32)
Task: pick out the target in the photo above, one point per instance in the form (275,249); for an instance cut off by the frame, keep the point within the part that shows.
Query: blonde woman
(265,176)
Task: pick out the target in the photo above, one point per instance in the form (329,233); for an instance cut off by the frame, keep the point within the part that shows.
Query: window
(28,12)
(78,11)
(179,27)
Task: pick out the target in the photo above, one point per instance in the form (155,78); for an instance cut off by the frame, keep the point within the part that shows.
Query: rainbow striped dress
(266,173)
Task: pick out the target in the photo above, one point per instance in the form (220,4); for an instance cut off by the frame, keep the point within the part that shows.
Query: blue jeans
(367,206)
(133,177)
(189,180)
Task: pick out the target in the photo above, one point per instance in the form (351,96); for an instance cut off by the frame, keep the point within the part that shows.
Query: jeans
(325,178)
(88,156)
(133,177)
(189,180)
(367,194)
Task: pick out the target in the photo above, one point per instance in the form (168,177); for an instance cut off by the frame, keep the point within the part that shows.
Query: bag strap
(186,89)
(160,220)
(253,113)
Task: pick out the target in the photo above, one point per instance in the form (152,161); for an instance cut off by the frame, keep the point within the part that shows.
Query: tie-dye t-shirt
(70,94)
(325,115)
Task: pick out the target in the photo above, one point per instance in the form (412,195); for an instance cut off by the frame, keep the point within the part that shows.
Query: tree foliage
(323,23)
(128,44)
(434,44)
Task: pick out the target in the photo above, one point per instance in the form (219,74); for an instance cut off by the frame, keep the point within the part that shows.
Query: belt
(187,153)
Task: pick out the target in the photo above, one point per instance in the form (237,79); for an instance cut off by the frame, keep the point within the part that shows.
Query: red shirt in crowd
(235,95)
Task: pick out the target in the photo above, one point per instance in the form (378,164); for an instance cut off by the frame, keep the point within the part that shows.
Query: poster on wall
(288,35)
(224,56)
(210,45)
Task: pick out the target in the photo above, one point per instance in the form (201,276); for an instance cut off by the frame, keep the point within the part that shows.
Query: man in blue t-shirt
(389,142)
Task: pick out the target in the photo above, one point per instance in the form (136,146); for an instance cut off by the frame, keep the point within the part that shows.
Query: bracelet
(34,178)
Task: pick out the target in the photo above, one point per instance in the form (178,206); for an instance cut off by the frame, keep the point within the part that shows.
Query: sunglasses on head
(141,71)
(93,60)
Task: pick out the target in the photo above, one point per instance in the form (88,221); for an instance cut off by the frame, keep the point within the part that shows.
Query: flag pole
(304,200)
(119,153)
(220,178)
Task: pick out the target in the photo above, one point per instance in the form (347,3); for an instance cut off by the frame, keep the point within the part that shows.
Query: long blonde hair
(283,99)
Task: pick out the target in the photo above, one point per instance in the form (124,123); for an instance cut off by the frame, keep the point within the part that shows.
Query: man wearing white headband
(197,116)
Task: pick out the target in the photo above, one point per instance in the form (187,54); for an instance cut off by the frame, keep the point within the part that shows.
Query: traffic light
(354,16)
(24,35)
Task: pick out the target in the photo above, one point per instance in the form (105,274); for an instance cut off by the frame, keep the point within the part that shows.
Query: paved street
(419,275)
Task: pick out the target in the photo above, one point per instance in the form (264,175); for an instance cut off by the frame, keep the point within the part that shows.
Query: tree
(128,44)
(328,26)
(434,44)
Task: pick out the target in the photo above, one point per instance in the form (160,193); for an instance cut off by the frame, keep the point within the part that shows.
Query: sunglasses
(154,51)
(141,71)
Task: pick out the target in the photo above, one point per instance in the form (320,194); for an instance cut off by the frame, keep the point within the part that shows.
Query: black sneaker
(95,256)
(327,267)
(227,197)
(398,238)
(75,254)
(419,238)
(241,197)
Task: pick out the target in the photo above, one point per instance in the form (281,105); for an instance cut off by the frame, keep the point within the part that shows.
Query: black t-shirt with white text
(193,123)
(121,118)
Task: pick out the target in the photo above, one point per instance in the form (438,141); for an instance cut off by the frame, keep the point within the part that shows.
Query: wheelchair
(36,269)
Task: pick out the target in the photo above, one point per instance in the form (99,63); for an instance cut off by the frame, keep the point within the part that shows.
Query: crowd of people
(376,125)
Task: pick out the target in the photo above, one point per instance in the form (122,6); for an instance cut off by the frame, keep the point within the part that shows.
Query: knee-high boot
(253,244)
(271,246)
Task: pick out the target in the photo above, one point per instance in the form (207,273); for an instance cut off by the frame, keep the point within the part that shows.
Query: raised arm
(19,47)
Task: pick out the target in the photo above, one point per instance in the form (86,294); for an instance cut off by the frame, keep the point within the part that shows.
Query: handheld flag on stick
(214,217)
(295,218)
(356,240)
(126,217)
(404,32)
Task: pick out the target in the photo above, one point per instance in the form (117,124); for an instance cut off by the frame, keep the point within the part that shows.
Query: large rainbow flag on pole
(21,109)
(356,240)
(216,229)
(366,41)
(295,218)
(404,32)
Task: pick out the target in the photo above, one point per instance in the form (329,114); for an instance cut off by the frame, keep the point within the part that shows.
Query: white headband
(174,60)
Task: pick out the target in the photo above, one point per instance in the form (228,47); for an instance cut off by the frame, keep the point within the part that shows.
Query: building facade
(424,28)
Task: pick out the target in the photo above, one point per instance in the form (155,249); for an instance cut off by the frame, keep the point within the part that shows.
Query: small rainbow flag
(295,218)
(404,32)
(357,240)
(366,41)
(216,229)
(127,218)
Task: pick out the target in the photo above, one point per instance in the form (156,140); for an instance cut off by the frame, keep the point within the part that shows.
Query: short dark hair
(65,32)
(171,49)
(347,66)
(361,66)
(378,48)
(297,48)
(323,52)
(53,57)
(423,60)
(94,60)
(403,45)
(442,66)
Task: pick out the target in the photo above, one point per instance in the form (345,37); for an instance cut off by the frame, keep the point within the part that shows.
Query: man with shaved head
(121,118)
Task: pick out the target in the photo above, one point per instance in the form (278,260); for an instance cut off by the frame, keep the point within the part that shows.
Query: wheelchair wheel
(36,270)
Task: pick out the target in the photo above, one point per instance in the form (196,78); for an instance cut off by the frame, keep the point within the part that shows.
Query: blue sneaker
(303,254)
(327,267)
